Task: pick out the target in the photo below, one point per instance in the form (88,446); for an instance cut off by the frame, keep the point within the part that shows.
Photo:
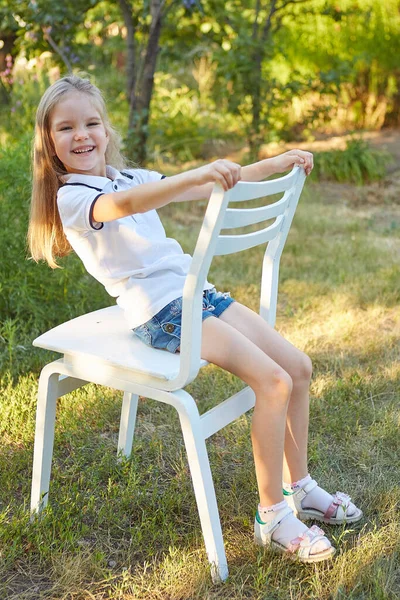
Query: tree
(38,25)
(246,55)
(144,25)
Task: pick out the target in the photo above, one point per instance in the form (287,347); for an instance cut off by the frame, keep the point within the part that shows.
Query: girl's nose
(81,134)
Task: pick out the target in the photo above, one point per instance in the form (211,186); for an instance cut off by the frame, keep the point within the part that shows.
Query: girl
(84,198)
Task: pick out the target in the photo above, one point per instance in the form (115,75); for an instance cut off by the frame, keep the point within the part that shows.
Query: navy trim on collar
(125,174)
(84,184)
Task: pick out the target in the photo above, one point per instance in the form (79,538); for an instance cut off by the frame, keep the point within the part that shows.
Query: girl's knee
(283,383)
(302,369)
(277,384)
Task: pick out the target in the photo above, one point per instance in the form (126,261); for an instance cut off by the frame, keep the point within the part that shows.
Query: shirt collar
(93,180)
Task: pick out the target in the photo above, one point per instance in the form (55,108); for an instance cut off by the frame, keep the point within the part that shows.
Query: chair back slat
(227,244)
(240,217)
(250,190)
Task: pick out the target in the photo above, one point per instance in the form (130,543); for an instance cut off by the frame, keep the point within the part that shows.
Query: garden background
(186,82)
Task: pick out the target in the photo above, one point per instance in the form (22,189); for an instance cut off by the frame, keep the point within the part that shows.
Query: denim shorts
(163,331)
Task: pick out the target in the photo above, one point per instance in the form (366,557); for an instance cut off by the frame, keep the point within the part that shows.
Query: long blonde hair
(46,237)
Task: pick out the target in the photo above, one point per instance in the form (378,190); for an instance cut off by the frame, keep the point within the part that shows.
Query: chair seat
(103,335)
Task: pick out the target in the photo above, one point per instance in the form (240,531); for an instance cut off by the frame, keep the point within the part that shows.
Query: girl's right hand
(224,172)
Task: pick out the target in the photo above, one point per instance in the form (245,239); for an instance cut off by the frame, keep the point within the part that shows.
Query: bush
(358,164)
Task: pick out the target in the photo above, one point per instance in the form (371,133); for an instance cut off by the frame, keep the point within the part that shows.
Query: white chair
(99,348)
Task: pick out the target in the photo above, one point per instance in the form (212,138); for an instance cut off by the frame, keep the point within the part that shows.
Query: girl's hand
(224,172)
(285,161)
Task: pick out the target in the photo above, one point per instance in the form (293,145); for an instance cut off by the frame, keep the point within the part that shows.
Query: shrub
(358,164)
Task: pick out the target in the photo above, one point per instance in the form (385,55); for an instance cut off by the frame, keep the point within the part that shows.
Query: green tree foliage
(46,25)
(260,70)
(321,60)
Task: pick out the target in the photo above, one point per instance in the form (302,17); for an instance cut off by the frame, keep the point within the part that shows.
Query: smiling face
(78,134)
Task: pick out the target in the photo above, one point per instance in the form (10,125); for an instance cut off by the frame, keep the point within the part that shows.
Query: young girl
(84,198)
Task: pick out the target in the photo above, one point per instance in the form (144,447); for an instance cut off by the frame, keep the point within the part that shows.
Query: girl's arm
(147,196)
(278,164)
(195,184)
(257,172)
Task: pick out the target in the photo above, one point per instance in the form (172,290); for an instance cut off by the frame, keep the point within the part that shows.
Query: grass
(130,530)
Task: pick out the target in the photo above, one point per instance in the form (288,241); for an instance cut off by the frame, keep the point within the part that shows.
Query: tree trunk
(140,81)
(130,46)
(260,38)
(254,133)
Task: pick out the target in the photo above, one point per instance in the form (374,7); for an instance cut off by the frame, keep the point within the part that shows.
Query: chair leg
(127,424)
(205,497)
(44,439)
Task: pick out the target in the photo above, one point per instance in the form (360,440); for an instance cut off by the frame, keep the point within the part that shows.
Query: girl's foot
(309,501)
(283,532)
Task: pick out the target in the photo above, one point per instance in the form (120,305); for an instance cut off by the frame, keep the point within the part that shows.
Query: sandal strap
(302,492)
(304,542)
(270,527)
(339,499)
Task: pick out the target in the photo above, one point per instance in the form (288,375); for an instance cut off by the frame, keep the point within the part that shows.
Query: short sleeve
(75,205)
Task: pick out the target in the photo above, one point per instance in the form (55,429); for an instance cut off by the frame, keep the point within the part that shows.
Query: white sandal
(336,513)
(299,548)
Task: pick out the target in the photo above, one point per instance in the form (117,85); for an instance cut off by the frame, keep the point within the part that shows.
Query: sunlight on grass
(331,324)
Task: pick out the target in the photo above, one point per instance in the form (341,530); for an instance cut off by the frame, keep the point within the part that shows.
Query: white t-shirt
(131,256)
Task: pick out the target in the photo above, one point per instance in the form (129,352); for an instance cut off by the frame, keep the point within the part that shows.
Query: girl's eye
(65,128)
(94,123)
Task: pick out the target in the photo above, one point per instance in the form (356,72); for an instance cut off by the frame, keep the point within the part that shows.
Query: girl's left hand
(285,161)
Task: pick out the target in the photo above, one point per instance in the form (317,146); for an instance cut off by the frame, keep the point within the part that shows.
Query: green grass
(130,530)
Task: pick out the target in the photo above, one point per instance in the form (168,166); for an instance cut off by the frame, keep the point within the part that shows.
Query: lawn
(130,529)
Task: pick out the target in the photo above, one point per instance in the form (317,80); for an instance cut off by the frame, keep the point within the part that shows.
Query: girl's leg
(226,347)
(298,366)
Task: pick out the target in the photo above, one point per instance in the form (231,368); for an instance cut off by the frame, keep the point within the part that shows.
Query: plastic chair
(99,348)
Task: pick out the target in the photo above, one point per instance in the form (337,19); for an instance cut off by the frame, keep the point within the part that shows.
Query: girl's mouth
(83,150)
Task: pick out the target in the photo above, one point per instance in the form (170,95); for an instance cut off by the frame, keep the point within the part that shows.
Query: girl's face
(79,136)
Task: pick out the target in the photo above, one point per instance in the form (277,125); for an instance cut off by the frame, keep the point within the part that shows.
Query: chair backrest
(211,242)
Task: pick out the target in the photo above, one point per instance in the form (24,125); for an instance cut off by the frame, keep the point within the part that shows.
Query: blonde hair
(46,237)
